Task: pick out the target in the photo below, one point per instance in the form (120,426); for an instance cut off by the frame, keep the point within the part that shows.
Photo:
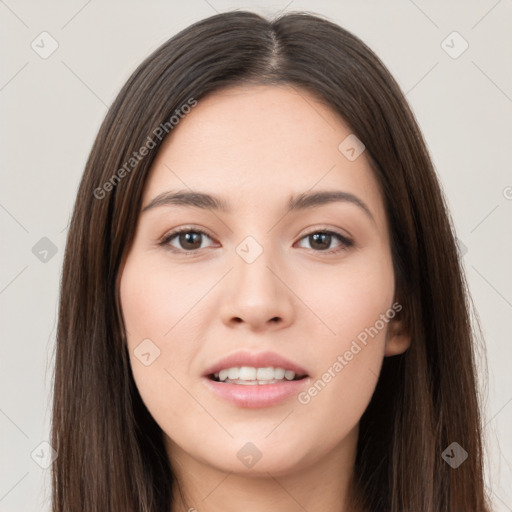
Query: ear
(398,337)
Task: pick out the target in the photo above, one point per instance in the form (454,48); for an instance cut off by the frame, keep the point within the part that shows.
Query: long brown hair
(111,455)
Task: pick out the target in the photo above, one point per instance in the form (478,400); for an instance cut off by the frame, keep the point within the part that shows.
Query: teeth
(265,373)
(250,375)
(279,373)
(247,373)
(289,375)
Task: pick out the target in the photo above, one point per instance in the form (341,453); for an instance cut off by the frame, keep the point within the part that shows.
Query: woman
(262,306)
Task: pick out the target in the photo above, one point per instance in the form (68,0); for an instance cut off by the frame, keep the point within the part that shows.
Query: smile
(250,375)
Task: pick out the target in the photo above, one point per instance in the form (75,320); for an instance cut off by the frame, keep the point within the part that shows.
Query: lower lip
(257,395)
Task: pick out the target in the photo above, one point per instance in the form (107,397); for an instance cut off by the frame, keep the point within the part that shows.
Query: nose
(256,296)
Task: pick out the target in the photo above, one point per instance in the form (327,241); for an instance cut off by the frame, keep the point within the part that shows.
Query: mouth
(255,380)
(252,376)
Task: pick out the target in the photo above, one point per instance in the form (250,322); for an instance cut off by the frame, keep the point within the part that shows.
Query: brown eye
(320,241)
(187,239)
(190,240)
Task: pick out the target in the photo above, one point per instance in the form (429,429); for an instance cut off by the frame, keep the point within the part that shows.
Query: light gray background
(52,108)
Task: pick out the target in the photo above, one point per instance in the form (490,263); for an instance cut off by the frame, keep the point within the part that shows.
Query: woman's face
(309,288)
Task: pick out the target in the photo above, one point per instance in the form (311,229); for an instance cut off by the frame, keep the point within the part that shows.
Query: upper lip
(256,360)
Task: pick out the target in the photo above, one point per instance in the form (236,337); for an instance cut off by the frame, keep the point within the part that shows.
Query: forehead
(272,141)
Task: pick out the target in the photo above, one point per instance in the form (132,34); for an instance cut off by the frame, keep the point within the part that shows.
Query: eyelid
(345,240)
(326,229)
(170,234)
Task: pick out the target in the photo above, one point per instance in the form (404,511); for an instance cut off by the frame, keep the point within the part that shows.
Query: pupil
(321,237)
(192,240)
(187,240)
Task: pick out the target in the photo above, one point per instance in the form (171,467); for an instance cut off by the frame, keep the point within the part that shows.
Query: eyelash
(346,243)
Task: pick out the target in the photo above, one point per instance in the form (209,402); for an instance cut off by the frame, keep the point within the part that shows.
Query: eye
(320,241)
(188,239)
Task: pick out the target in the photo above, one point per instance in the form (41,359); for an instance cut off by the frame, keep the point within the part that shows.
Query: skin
(256,146)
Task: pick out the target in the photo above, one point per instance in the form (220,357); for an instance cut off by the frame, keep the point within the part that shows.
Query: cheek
(153,304)
(154,298)
(349,298)
(355,306)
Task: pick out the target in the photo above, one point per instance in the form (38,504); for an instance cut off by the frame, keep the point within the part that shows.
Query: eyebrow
(303,201)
